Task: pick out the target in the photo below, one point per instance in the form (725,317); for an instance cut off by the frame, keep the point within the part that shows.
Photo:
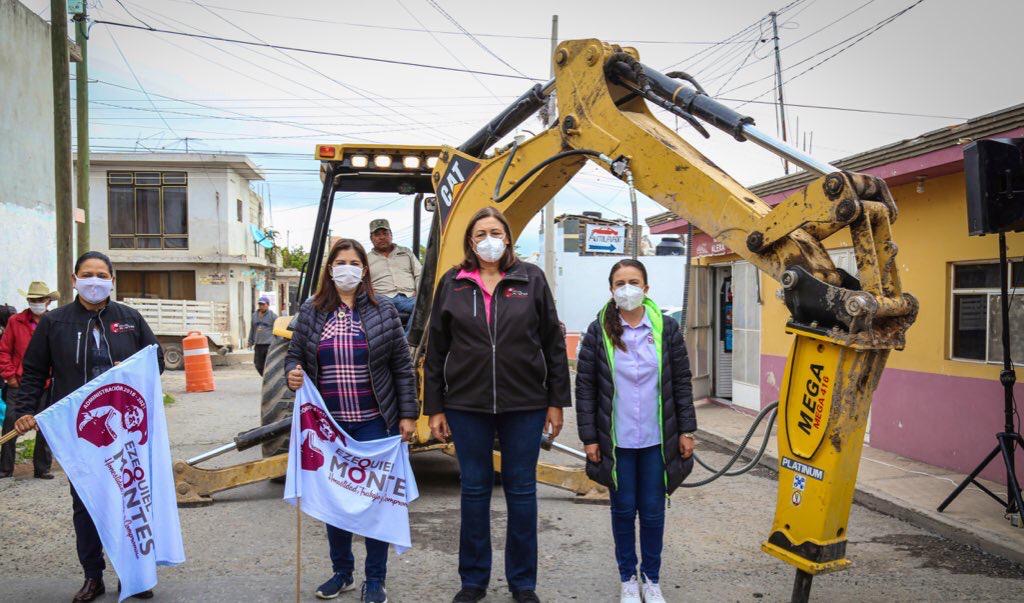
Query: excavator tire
(277,400)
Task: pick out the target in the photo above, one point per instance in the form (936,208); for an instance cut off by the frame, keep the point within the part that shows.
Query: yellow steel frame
(841,366)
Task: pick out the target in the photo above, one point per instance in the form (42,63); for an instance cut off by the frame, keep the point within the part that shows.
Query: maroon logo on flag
(110,409)
(314,420)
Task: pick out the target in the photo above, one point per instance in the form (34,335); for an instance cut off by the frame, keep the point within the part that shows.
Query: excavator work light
(360,161)
(411,162)
(382,161)
(431,162)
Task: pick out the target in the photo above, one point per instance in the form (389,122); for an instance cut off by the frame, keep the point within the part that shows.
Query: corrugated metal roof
(974,129)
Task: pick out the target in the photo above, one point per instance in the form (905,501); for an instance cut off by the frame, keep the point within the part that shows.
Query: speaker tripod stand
(1009,438)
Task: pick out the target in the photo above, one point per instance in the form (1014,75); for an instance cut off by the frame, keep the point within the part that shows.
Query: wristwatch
(690,435)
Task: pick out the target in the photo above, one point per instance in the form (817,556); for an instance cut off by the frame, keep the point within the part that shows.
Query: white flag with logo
(110,436)
(362,487)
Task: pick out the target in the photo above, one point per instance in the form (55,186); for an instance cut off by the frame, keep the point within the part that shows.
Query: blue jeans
(405,306)
(519,436)
(641,488)
(340,541)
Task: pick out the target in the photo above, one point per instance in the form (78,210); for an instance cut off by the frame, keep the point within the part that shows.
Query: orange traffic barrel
(198,368)
(572,341)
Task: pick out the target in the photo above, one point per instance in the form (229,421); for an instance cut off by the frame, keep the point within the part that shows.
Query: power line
(138,82)
(864,35)
(451,19)
(737,70)
(311,51)
(448,50)
(813,33)
(307,66)
(436,31)
(847,109)
(861,34)
(730,39)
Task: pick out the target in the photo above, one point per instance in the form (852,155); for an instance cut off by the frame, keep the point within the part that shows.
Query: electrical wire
(476,41)
(843,49)
(852,40)
(138,82)
(311,51)
(731,38)
(309,67)
(448,51)
(444,32)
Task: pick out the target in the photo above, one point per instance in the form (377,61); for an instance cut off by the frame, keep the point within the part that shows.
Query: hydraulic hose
(498,198)
(768,411)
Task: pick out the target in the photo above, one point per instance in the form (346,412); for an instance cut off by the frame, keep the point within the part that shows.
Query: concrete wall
(28,238)
(583,285)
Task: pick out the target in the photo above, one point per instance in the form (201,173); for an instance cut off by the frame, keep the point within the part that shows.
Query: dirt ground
(242,548)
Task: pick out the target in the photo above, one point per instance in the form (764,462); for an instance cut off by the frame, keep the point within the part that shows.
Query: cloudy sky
(942,61)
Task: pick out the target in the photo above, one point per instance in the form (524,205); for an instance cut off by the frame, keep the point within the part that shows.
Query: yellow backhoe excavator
(843,328)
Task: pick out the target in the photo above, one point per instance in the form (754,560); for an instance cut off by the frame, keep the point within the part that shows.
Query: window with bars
(976,315)
(147,210)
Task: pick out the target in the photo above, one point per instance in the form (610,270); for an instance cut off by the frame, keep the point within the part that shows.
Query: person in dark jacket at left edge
(352,345)
(73,345)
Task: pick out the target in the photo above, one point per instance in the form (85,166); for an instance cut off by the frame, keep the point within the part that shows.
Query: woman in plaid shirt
(352,344)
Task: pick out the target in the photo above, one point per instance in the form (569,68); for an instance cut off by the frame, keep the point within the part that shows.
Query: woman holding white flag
(352,345)
(73,345)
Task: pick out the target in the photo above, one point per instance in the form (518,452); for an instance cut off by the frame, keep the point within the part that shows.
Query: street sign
(603,238)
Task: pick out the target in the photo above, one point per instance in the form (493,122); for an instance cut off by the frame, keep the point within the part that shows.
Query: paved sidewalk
(894,485)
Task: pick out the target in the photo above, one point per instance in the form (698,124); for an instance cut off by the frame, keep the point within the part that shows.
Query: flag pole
(298,549)
(7,437)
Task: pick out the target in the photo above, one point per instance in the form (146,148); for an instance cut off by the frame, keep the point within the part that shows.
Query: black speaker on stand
(994,172)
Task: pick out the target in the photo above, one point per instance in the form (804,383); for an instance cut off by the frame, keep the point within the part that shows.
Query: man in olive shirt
(394,269)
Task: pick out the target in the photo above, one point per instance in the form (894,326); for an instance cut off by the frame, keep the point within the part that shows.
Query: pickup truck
(173,319)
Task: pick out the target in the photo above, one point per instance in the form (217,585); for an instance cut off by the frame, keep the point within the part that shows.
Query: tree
(294,257)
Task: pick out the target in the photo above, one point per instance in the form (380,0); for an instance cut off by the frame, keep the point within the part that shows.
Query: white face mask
(490,249)
(94,289)
(628,297)
(37,307)
(346,277)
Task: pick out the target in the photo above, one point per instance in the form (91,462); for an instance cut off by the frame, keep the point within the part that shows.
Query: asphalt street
(242,548)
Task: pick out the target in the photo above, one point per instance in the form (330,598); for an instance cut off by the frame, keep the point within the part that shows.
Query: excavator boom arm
(844,328)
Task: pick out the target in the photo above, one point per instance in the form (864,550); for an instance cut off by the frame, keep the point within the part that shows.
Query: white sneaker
(630,592)
(652,592)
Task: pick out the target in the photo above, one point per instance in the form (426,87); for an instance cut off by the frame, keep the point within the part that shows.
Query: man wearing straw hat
(13,344)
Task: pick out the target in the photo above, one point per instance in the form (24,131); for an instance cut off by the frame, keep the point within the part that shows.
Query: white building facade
(28,238)
(180,226)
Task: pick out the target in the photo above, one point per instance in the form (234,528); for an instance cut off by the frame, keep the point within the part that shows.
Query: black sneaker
(525,596)
(373,592)
(338,584)
(469,595)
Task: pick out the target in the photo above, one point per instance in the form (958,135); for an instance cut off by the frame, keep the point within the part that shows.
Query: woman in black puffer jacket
(353,346)
(635,415)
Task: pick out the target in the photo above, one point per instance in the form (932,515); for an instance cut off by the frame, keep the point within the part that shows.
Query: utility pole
(549,209)
(82,113)
(778,83)
(62,143)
